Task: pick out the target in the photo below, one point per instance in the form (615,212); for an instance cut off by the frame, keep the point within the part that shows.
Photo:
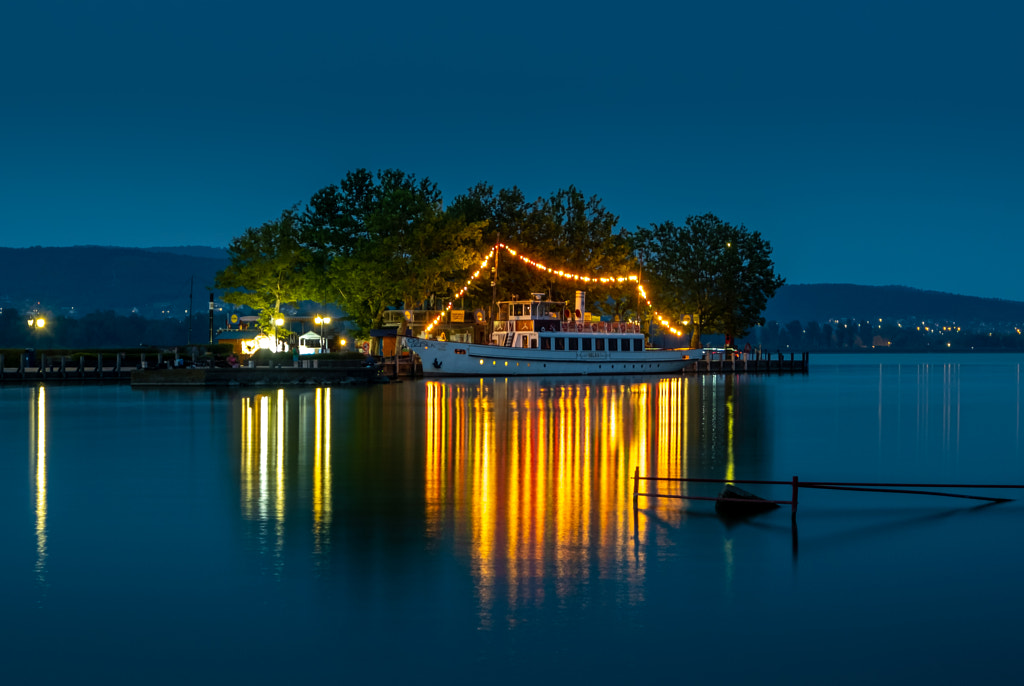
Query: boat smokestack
(581,302)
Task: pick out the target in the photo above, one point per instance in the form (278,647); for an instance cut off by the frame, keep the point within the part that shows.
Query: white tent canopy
(310,343)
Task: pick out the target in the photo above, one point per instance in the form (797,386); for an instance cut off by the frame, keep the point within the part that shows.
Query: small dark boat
(734,502)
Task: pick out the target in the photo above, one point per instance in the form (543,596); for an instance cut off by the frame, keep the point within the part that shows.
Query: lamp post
(278,321)
(321,321)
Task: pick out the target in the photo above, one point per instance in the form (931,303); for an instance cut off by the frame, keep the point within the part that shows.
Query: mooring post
(796,488)
(636,485)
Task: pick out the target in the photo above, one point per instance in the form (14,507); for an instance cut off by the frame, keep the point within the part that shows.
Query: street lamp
(321,321)
(37,323)
(278,321)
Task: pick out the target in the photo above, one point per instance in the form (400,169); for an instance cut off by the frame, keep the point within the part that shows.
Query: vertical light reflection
(279,492)
(484,516)
(637,456)
(322,480)
(264,469)
(520,529)
(436,447)
(265,451)
(38,412)
(538,477)
(880,378)
(923,372)
(247,469)
(730,444)
(685,422)
(671,429)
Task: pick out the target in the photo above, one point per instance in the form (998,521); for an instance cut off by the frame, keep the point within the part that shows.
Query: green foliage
(372,242)
(565,231)
(384,241)
(720,273)
(268,269)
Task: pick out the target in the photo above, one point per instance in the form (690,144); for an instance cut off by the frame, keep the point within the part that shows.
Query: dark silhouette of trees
(721,274)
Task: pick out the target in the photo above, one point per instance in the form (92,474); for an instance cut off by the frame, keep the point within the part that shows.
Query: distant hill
(823,301)
(91,278)
(194,251)
(156,280)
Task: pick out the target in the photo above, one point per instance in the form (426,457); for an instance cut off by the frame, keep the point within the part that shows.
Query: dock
(752,363)
(110,369)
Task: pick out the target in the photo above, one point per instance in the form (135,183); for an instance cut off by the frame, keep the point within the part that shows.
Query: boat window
(638,345)
(533,342)
(598,344)
(545,342)
(523,339)
(613,344)
(559,343)
(586,343)
(574,344)
(517,310)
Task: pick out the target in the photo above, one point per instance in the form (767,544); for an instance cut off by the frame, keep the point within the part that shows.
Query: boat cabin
(552,325)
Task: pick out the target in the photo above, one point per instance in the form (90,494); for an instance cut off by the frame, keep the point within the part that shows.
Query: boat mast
(494,284)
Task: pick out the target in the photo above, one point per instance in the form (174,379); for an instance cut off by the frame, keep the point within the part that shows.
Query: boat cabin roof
(533,310)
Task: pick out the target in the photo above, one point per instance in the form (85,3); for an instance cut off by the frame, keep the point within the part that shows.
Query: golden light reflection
(265,450)
(321,469)
(38,421)
(539,478)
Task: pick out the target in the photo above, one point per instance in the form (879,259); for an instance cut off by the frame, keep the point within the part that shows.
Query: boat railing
(566,326)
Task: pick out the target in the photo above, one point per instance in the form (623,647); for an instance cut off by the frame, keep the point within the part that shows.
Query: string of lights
(560,273)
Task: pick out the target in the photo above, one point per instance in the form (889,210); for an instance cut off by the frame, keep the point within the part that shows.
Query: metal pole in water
(636,485)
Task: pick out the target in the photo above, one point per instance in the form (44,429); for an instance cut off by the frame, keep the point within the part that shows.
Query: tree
(578,234)
(720,274)
(813,336)
(564,231)
(267,269)
(385,240)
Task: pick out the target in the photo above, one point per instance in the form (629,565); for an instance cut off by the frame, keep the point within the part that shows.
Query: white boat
(543,338)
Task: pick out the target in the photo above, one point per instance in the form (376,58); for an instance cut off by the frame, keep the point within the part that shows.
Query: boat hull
(451,358)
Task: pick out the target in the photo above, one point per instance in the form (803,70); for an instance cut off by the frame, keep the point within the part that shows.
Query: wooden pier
(754,363)
(99,368)
(113,368)
(151,371)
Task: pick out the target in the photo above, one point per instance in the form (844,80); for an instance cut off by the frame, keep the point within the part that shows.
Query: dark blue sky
(870,142)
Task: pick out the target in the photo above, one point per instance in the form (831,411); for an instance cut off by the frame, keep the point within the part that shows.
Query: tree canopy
(384,240)
(565,230)
(267,269)
(376,241)
(722,275)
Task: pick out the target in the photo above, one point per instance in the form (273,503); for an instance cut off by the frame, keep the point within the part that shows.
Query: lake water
(484,530)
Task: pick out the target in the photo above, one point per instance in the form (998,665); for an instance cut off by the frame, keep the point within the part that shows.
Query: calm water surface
(464,531)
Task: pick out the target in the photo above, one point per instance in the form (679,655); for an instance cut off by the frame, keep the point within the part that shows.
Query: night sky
(870,142)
